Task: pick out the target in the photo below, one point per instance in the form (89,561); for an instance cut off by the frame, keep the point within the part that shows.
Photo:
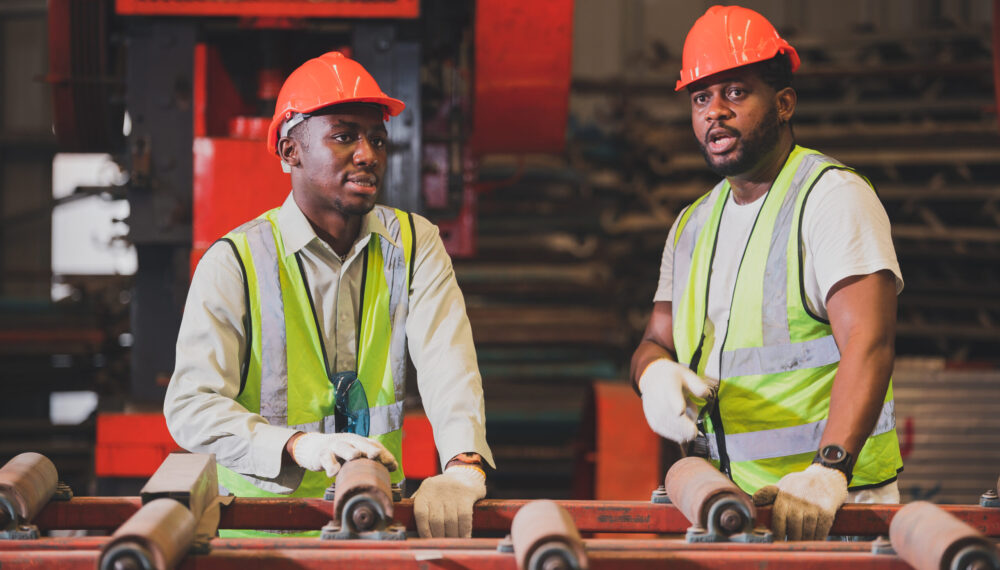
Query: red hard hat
(727,37)
(329,79)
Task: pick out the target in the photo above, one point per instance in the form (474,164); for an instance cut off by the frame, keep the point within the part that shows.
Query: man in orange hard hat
(291,357)
(773,324)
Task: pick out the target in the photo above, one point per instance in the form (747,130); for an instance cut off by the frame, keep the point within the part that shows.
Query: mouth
(721,140)
(363,183)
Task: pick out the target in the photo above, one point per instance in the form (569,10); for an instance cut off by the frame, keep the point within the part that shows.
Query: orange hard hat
(727,37)
(330,79)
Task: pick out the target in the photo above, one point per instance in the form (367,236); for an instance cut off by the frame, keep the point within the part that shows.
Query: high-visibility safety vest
(778,358)
(286,377)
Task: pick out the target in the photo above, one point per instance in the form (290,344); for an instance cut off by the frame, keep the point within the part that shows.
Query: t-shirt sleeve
(846,232)
(664,287)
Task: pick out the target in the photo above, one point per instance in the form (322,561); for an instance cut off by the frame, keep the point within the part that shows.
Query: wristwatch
(836,457)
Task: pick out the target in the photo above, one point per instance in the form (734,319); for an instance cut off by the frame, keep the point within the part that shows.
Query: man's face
(342,155)
(735,119)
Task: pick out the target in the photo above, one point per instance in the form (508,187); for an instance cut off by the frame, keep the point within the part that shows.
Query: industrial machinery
(27,482)
(362,503)
(199,78)
(544,537)
(717,508)
(166,528)
(927,537)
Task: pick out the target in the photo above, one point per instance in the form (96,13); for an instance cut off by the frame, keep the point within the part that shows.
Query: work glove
(805,502)
(327,451)
(443,504)
(664,385)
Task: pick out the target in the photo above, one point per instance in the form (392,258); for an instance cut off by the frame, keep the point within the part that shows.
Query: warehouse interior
(555,233)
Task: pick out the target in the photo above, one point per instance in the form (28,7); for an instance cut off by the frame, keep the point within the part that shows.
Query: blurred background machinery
(545,140)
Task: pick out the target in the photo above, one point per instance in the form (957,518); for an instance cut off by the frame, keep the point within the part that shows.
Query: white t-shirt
(845,231)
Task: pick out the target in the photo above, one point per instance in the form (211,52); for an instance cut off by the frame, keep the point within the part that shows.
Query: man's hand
(664,385)
(805,502)
(443,504)
(327,451)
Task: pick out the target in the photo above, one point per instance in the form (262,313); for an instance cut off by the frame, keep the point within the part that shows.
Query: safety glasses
(351,412)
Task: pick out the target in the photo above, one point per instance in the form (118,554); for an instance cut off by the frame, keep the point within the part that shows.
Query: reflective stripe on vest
(778,360)
(286,342)
(767,444)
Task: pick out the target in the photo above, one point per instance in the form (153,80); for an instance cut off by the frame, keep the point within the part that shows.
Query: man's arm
(439,338)
(200,407)
(862,312)
(657,341)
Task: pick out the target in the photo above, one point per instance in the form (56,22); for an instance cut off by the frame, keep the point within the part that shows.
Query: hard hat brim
(392,107)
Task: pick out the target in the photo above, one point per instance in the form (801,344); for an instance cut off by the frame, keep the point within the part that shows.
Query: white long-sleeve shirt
(200,407)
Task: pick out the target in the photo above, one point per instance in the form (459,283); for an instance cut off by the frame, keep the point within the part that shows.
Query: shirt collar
(297,232)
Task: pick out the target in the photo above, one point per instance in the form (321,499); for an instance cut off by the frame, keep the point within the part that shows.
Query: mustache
(720,129)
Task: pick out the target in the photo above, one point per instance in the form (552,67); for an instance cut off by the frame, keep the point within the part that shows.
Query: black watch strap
(836,457)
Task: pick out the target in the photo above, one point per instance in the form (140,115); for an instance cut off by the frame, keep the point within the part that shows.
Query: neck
(337,229)
(753,184)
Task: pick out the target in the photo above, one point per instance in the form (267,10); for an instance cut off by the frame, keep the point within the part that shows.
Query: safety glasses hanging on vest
(351,411)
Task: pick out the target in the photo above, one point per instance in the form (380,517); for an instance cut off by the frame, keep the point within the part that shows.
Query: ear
(288,150)
(785,101)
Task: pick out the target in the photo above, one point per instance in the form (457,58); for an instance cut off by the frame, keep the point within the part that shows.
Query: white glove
(326,451)
(805,502)
(443,503)
(668,411)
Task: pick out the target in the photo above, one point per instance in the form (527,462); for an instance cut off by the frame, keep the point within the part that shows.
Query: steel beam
(95,513)
(613,557)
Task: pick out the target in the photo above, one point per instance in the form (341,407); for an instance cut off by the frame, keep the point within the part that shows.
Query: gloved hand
(326,451)
(805,502)
(443,503)
(668,411)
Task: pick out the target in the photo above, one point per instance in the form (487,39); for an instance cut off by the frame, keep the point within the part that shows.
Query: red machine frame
(272,8)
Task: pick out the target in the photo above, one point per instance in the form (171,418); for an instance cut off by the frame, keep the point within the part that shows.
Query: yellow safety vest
(286,375)
(778,359)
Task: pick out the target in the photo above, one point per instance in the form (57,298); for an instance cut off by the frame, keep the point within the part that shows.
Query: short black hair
(776,72)
(298,133)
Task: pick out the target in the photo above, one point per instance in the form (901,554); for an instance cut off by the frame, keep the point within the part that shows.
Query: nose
(365,153)
(718,110)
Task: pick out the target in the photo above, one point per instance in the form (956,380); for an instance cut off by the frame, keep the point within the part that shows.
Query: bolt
(128,561)
(990,495)
(731,520)
(363,517)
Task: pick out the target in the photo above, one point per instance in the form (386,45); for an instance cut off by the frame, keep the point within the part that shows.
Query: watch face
(833,453)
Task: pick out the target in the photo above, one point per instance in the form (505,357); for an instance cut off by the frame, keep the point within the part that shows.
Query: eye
(344,137)
(699,98)
(378,141)
(736,92)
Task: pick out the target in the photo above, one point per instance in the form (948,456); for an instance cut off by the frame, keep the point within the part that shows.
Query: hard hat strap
(289,123)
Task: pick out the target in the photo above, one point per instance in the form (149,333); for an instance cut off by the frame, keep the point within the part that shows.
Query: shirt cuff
(465,445)
(269,448)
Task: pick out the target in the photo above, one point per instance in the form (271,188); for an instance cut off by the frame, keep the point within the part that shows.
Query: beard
(751,149)
(349,210)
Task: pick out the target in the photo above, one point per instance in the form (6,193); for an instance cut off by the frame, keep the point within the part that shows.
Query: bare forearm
(863,316)
(657,341)
(646,353)
(858,394)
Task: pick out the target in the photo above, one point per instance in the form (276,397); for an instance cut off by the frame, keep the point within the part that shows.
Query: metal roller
(27,482)
(363,496)
(928,538)
(156,537)
(708,498)
(545,538)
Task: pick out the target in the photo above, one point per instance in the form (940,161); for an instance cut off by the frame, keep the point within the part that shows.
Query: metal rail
(478,553)
(108,513)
